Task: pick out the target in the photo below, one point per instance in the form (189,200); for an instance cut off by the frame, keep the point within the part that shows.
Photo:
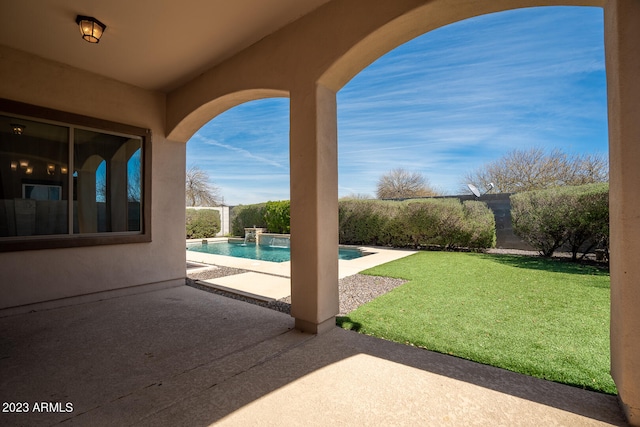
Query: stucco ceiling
(153,44)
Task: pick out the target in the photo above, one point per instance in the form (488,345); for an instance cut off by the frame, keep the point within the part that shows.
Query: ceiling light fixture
(90,28)
(17,128)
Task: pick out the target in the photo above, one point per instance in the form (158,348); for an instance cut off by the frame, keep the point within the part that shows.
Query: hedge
(575,216)
(202,223)
(419,223)
(274,216)
(277,217)
(244,216)
(366,222)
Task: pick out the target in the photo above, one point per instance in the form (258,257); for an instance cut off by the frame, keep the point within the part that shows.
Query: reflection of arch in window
(101,182)
(91,190)
(134,177)
(109,183)
(125,186)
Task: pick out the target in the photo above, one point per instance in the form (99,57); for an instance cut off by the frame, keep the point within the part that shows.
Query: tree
(357,196)
(402,184)
(577,217)
(199,191)
(534,169)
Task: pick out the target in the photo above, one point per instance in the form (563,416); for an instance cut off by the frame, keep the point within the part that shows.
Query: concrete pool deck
(262,284)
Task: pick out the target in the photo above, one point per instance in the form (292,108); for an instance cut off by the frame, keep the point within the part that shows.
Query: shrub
(588,223)
(539,217)
(244,216)
(202,223)
(433,222)
(479,227)
(448,224)
(444,223)
(365,222)
(577,216)
(277,216)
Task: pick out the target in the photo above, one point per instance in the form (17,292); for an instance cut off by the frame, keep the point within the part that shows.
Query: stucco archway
(424,17)
(313,57)
(206,110)
(622,61)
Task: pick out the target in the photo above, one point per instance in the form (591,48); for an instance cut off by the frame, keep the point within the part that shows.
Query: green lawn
(541,317)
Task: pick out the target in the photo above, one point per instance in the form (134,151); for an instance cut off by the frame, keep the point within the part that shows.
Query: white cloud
(442,104)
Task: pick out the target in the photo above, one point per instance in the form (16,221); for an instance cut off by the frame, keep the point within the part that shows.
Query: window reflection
(106,179)
(103,193)
(34,188)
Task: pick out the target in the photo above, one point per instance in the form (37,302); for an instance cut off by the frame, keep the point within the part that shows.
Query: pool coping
(377,255)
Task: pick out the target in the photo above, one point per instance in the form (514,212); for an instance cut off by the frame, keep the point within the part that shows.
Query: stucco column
(314,208)
(118,198)
(622,48)
(87,206)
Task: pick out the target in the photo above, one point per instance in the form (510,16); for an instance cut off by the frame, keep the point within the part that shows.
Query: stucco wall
(35,276)
(309,60)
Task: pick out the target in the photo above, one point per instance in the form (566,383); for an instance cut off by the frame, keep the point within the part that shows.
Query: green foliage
(277,216)
(589,219)
(274,216)
(202,223)
(443,223)
(539,217)
(577,216)
(366,222)
(433,222)
(479,227)
(247,216)
(502,310)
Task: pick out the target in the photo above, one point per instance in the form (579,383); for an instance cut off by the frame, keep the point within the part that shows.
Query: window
(69,180)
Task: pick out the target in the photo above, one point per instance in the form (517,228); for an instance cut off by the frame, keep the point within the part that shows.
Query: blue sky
(442,104)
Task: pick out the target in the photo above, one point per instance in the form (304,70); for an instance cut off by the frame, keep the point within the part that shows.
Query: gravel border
(353,291)
(213,272)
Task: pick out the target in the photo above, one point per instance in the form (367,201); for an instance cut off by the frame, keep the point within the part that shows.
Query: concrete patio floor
(184,357)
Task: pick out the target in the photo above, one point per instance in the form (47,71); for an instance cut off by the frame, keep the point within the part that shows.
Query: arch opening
(467,104)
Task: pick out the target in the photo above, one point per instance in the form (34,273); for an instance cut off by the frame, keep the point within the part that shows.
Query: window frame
(57,241)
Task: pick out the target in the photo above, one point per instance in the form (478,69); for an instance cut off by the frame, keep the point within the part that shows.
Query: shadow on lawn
(555,265)
(345,322)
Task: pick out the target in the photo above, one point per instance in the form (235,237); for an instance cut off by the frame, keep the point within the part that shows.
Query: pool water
(259,252)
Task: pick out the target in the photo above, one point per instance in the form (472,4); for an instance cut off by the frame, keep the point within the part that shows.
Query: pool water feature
(260,252)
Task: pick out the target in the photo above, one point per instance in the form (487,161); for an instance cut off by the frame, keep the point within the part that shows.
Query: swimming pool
(259,252)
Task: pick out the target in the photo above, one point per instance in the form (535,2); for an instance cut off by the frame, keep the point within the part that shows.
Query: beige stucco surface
(623,68)
(35,276)
(310,60)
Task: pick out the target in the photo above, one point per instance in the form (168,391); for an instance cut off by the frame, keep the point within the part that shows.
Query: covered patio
(92,273)
(184,357)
